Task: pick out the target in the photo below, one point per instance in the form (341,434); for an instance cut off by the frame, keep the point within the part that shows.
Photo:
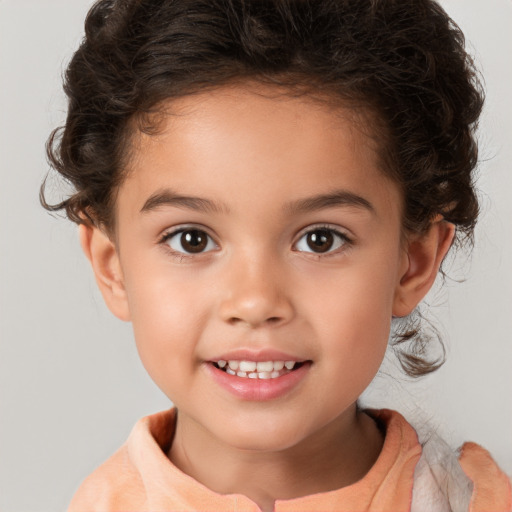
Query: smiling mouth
(257,370)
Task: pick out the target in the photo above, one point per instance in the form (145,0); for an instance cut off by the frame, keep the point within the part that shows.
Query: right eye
(189,241)
(322,240)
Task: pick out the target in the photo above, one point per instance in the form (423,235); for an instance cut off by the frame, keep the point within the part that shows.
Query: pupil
(320,240)
(193,241)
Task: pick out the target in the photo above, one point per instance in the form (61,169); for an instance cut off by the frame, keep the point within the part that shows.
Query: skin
(255,154)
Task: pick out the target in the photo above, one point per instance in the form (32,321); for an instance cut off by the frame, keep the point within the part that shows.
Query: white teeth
(266,366)
(247,366)
(256,370)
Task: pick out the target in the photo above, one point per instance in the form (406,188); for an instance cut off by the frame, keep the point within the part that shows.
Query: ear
(102,253)
(424,255)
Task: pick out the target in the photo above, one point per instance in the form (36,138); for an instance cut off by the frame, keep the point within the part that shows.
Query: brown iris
(320,240)
(193,240)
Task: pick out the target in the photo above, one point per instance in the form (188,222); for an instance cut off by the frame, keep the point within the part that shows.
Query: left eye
(321,240)
(190,241)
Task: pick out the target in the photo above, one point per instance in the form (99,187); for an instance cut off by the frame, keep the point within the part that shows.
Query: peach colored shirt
(140,477)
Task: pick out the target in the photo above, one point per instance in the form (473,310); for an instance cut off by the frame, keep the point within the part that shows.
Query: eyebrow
(330,200)
(168,197)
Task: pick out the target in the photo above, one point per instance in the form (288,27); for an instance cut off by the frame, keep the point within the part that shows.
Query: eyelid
(336,230)
(176,230)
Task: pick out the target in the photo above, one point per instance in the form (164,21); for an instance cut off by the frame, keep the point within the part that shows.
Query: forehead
(259,110)
(247,142)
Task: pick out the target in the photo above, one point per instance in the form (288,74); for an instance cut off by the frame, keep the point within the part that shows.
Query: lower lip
(258,390)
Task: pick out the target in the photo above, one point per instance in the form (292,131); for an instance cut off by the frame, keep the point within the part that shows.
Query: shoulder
(491,486)
(115,485)
(448,480)
(466,480)
(119,483)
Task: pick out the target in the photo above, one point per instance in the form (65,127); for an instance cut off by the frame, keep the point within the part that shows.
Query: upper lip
(256,355)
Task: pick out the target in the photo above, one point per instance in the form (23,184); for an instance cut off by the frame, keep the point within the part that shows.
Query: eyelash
(166,237)
(344,241)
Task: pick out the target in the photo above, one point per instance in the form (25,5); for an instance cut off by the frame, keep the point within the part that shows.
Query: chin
(259,436)
(262,443)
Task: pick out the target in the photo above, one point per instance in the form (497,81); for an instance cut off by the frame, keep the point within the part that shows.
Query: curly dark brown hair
(403,60)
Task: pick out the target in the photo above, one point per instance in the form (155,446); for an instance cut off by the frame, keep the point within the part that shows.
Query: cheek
(165,322)
(158,296)
(357,330)
(353,315)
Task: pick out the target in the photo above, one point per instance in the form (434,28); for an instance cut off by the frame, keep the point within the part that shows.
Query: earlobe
(102,254)
(423,258)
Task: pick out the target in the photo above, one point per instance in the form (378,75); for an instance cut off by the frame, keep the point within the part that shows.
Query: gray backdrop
(71,385)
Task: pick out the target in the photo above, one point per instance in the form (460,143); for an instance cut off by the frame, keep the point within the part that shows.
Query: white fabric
(440,485)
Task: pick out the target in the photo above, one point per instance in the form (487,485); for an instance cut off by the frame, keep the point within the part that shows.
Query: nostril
(255,310)
(273,320)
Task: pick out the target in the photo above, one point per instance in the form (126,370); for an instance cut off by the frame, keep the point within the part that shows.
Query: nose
(255,293)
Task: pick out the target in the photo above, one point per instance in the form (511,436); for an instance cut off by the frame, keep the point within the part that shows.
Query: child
(261,187)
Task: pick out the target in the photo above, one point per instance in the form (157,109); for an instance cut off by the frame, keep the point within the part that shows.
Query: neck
(338,455)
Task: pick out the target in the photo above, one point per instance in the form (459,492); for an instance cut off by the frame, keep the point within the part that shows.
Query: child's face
(259,187)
